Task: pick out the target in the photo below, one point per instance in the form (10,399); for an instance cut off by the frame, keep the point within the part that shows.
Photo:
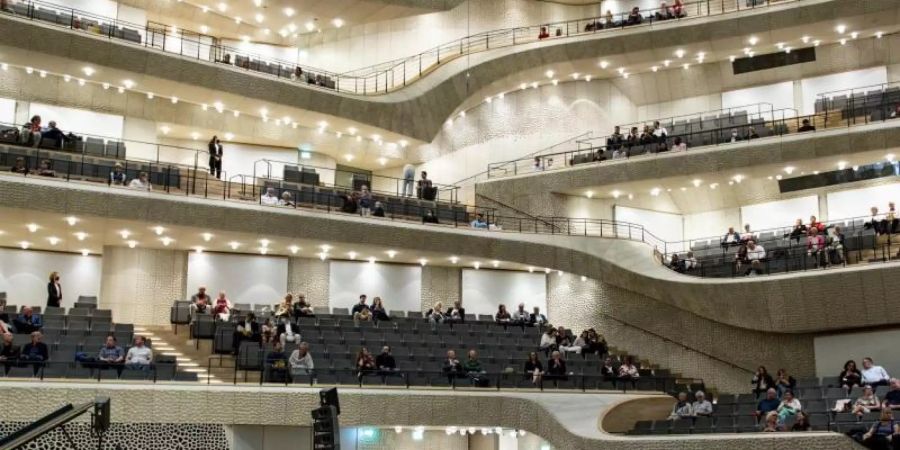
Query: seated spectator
(890,222)
(628,371)
(815,245)
(31,132)
(286,307)
(566,343)
(19,167)
(365,201)
(365,363)
(538,166)
(222,307)
(534,369)
(789,406)
(139,356)
(302,308)
(747,235)
(55,134)
(676,263)
(731,238)
(424,187)
(385,362)
(634,17)
(798,231)
(596,344)
(771,423)
(452,367)
(46,169)
(378,211)
(632,139)
(556,367)
(850,376)
(276,363)
(543,34)
(678,9)
(784,382)
(735,136)
(702,406)
(479,222)
(647,136)
(607,371)
(875,222)
(28,322)
(111,353)
(682,408)
(141,183)
(814,223)
(456,313)
(502,317)
(246,330)
(768,404)
(520,316)
(892,398)
(378,311)
(609,19)
(806,126)
(361,311)
(614,141)
(429,217)
(435,315)
(678,145)
(762,381)
(36,350)
(350,202)
(267,330)
(578,346)
(270,198)
(690,262)
(866,403)
(286,199)
(835,246)
(301,361)
(801,423)
(8,350)
(200,302)
(536,319)
(287,331)
(474,371)
(873,375)
(665,12)
(660,133)
(756,254)
(117,177)
(883,434)
(548,341)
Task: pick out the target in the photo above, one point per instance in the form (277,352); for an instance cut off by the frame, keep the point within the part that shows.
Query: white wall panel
(778,214)
(244,278)
(398,285)
(780,95)
(24,275)
(79,120)
(856,202)
(105,8)
(811,87)
(8,111)
(711,224)
(484,290)
(666,226)
(833,351)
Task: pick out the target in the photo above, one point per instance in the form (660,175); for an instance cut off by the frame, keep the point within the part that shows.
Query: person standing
(54,291)
(409,175)
(215,157)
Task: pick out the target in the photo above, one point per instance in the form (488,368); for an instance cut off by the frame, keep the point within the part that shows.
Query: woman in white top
(867,403)
(141,183)
(301,361)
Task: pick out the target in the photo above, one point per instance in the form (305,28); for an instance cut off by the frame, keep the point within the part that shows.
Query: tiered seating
(419,349)
(734,413)
(67,19)
(877,102)
(84,329)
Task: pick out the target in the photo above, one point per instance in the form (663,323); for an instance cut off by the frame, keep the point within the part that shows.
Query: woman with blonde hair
(54,291)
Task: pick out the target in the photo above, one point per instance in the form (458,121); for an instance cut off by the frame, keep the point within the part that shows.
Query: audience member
(789,406)
(474,371)
(8,350)
(731,238)
(139,356)
(385,361)
(111,353)
(200,302)
(365,201)
(502,316)
(815,246)
(46,169)
(762,381)
(801,423)
(365,363)
(784,382)
(682,408)
(455,313)
(814,223)
(634,17)
(520,316)
(701,406)
(222,307)
(756,254)
(435,315)
(536,319)
(429,217)
(350,203)
(20,166)
(628,371)
(28,322)
(874,222)
(676,263)
(301,360)
(267,330)
(566,343)
(798,231)
(678,9)
(806,126)
(679,145)
(690,262)
(378,311)
(891,222)
(607,371)
(54,291)
(771,423)
(117,177)
(543,34)
(286,199)
(141,183)
(768,404)
(276,363)
(614,141)
(534,369)
(835,246)
(287,331)
(873,375)
(850,376)
(215,157)
(361,311)
(665,12)
(884,434)
(556,367)
(286,307)
(36,350)
(452,367)
(378,211)
(31,132)
(302,308)
(479,222)
(409,176)
(747,235)
(538,165)
(548,340)
(892,398)
(54,134)
(866,403)
(425,187)
(246,330)
(270,198)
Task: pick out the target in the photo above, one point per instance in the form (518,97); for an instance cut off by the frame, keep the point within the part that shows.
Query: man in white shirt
(140,356)
(873,375)
(659,131)
(520,316)
(141,183)
(301,361)
(755,254)
(269,198)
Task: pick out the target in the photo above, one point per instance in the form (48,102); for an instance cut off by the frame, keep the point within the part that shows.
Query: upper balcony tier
(414,96)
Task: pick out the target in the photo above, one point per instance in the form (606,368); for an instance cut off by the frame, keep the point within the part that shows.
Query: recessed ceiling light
(805,39)
(85,252)
(817,42)
(229,136)
(165,129)
(583,278)
(391,253)
(587,78)
(263,250)
(204,29)
(549,73)
(589,194)
(81,235)
(679,53)
(351,255)
(655,191)
(128,84)
(842,165)
(667,63)
(423,261)
(403,142)
(159,230)
(166,240)
(575,75)
(854,35)
(604,64)
(879,34)
(843,41)
(841,29)
(495,263)
(289,11)
(195,135)
(125,234)
(264,242)
(889,157)
(616,194)
(696,182)
(325,248)
(198,249)
(32,227)
(546,270)
(43,74)
(372,260)
(337,22)
(53,240)
(234,245)
(789,169)
(310,26)
(454,259)
(259,18)
(476,265)
(555,82)
(24,245)
(780,45)
(222,6)
(132,244)
(731,58)
(753,40)
(294,249)
(534,84)
(523,86)
(207,236)
(655,68)
(488,99)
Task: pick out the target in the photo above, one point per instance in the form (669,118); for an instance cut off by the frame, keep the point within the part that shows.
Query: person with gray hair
(702,406)
(682,408)
(286,199)
(301,361)
(270,198)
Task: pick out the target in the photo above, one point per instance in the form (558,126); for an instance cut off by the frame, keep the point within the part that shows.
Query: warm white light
(731,58)
(263,250)
(128,84)
(238,20)
(462,114)
(843,42)
(817,42)
(43,74)
(589,194)
(655,192)
(229,136)
(889,157)
(53,240)
(4,67)
(713,185)
(132,244)
(71,220)
(325,248)
(575,75)
(738,178)
(391,253)
(879,34)
(842,165)
(616,194)
(854,35)
(237,113)
(789,169)
(488,99)
(423,261)
(476,265)
(549,73)
(530,269)
(555,82)
(121,90)
(348,157)
(204,29)
(583,278)
(523,86)
(679,53)
(207,236)
(352,255)
(780,45)
(198,249)
(805,39)
(259,18)
(81,235)
(604,64)
(125,234)
(372,260)
(398,429)
(587,78)
(337,22)
(166,240)
(195,135)
(667,63)
(310,26)
(29,70)
(24,245)
(686,66)
(403,143)
(382,161)
(454,259)
(696,182)
(32,227)
(164,129)
(159,230)
(85,252)
(67,78)
(753,40)
(222,6)
(264,242)
(234,245)
(841,29)
(655,68)
(289,12)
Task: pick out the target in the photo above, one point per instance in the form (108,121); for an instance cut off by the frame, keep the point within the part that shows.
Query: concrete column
(442,284)
(310,277)
(139,285)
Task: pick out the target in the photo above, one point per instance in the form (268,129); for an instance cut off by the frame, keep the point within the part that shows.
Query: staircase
(183,349)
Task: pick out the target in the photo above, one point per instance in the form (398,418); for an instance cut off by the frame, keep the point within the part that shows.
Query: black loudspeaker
(329,397)
(101,414)
(326,429)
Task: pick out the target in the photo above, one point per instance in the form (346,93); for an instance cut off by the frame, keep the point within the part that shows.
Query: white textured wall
(245,278)
(24,275)
(139,285)
(484,290)
(711,223)
(834,350)
(398,285)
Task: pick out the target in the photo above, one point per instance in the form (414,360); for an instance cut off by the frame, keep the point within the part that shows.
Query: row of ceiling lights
(259,18)
(218,106)
(679,54)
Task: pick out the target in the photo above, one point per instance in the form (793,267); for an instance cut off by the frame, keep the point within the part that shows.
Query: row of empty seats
(64,16)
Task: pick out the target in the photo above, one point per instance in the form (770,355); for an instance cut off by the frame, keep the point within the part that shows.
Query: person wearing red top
(813,223)
(31,132)
(543,34)
(678,8)
(222,308)
(815,244)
